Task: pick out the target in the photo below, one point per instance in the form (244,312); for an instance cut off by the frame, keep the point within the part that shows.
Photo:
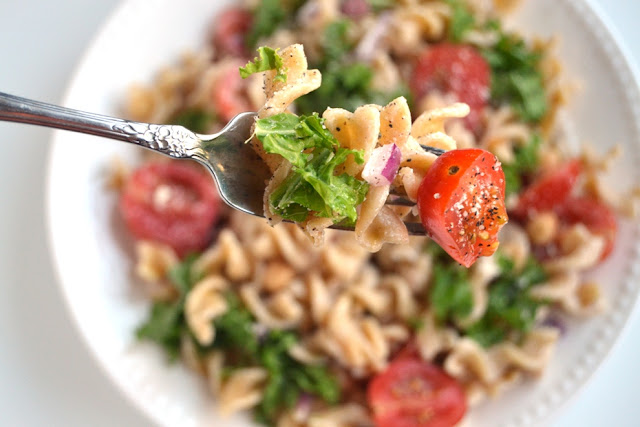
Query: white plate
(94,264)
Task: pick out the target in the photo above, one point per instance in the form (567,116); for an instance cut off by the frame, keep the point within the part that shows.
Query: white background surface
(46,374)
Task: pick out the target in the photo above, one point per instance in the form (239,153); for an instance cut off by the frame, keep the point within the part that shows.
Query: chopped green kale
(196,120)
(288,378)
(314,153)
(234,330)
(525,162)
(268,59)
(166,323)
(510,312)
(267,17)
(450,292)
(416,323)
(378,5)
(345,84)
(462,20)
(237,338)
(510,309)
(336,43)
(516,78)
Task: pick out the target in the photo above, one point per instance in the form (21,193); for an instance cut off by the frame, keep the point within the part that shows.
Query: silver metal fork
(239,173)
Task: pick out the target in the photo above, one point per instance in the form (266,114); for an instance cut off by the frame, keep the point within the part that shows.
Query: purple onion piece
(555,322)
(307,12)
(371,40)
(383,165)
(303,407)
(355,9)
(260,331)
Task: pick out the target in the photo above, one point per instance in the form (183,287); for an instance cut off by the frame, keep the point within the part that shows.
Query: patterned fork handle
(171,140)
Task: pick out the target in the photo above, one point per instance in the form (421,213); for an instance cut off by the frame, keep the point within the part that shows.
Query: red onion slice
(308,12)
(370,42)
(303,407)
(383,165)
(355,9)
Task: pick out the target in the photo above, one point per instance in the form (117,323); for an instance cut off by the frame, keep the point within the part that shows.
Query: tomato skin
(229,32)
(461,203)
(549,190)
(171,203)
(415,393)
(595,215)
(229,93)
(458,70)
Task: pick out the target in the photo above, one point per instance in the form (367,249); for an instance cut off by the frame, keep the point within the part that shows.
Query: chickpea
(543,228)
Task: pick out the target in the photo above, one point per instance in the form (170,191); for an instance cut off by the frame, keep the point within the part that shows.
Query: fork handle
(174,141)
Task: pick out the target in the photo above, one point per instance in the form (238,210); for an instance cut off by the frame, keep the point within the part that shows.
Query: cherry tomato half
(229,93)
(415,393)
(230,30)
(172,203)
(595,215)
(549,190)
(458,70)
(461,203)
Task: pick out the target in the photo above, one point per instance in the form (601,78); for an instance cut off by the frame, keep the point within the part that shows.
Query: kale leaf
(268,59)
(379,5)
(461,22)
(510,309)
(166,323)
(345,83)
(525,162)
(288,378)
(450,292)
(314,153)
(267,17)
(234,330)
(515,76)
(196,120)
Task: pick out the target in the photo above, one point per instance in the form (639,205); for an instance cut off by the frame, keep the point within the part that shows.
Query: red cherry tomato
(229,93)
(229,32)
(171,203)
(458,70)
(595,215)
(461,203)
(549,190)
(415,393)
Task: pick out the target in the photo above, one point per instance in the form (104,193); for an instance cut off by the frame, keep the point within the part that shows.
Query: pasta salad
(361,330)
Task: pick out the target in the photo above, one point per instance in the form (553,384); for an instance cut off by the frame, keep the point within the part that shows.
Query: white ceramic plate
(94,262)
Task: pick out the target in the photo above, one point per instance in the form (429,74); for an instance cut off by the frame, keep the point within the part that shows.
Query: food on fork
(343,166)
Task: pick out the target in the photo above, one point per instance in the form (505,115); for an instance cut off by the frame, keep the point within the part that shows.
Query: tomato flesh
(595,215)
(229,32)
(549,190)
(461,203)
(171,203)
(457,70)
(553,192)
(229,94)
(413,393)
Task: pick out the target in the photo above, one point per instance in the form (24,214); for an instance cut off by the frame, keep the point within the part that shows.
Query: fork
(240,174)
